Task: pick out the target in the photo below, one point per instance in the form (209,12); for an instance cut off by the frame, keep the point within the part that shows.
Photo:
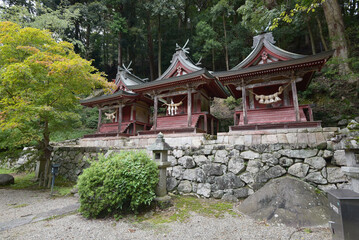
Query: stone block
(241,192)
(228,181)
(248,140)
(236,165)
(171,184)
(254,166)
(177,172)
(301,153)
(178,153)
(247,177)
(249,155)
(172,160)
(282,138)
(213,169)
(320,137)
(186,162)
(303,138)
(316,177)
(201,160)
(184,187)
(270,159)
(339,158)
(221,156)
(299,170)
(335,175)
(286,162)
(256,139)
(316,162)
(292,138)
(204,189)
(217,194)
(239,140)
(312,140)
(276,171)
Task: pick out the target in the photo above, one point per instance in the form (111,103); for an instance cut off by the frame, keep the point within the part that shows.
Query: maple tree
(40,84)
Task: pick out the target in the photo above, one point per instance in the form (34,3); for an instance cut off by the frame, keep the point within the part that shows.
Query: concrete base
(308,136)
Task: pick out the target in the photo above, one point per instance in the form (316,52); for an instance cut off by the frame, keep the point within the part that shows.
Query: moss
(184,206)
(21,205)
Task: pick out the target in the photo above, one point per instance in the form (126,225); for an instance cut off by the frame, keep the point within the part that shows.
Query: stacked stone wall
(236,171)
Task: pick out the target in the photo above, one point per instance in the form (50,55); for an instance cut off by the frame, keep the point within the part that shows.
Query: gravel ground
(74,226)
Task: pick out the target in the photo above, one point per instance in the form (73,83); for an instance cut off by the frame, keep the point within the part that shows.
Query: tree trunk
(225,42)
(321,33)
(311,38)
(213,65)
(119,49)
(159,47)
(88,33)
(336,29)
(46,150)
(150,47)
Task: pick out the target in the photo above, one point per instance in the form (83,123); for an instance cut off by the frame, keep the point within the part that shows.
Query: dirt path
(56,219)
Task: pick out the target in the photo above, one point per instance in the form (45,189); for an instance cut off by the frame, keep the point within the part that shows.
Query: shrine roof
(104,98)
(318,59)
(203,75)
(181,64)
(265,52)
(124,78)
(174,80)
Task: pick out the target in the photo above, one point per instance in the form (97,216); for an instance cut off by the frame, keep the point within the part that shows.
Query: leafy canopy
(40,81)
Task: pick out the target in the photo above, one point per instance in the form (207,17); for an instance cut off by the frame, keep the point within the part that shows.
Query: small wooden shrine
(184,90)
(267,80)
(122,113)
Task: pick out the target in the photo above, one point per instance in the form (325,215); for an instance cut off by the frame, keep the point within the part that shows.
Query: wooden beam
(244,103)
(295,101)
(164,95)
(155,106)
(269,83)
(110,107)
(99,120)
(119,118)
(189,107)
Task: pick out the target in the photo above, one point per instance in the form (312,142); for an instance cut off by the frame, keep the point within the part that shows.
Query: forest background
(144,32)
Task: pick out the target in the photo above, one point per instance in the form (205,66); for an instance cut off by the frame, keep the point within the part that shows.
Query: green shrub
(116,184)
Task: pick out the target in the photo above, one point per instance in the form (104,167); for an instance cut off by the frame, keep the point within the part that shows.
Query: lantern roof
(160,144)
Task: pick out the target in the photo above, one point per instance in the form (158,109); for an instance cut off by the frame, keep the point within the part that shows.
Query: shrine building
(126,112)
(267,81)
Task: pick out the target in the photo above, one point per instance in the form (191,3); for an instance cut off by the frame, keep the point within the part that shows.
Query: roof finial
(199,61)
(184,49)
(127,69)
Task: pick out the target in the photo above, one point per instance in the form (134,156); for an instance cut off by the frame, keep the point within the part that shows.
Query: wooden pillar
(212,126)
(99,119)
(189,107)
(205,123)
(155,105)
(251,100)
(244,103)
(286,96)
(295,99)
(119,118)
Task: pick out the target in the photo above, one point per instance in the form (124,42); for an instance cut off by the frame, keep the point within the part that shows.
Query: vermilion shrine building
(267,80)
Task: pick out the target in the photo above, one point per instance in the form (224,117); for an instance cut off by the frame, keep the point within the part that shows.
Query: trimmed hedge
(121,182)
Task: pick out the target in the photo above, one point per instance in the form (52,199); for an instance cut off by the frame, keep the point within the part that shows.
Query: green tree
(40,81)
(206,39)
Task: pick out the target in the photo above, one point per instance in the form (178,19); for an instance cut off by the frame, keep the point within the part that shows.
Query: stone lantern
(160,154)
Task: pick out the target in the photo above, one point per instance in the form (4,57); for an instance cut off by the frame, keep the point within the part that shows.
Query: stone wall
(236,171)
(75,159)
(232,166)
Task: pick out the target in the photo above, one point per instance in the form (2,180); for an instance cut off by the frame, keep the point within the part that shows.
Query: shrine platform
(282,125)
